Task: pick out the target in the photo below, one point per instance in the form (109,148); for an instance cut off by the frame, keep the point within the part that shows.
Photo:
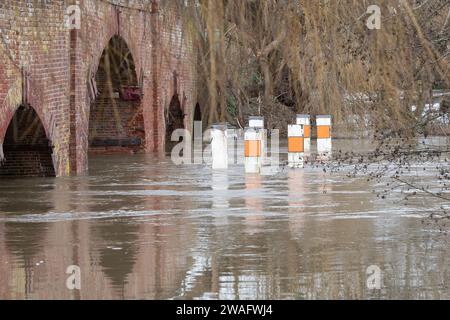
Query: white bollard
(304,119)
(296,145)
(219,146)
(323,123)
(232,136)
(253,144)
(258,123)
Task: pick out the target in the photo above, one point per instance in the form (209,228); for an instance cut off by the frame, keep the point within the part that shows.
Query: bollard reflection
(254,220)
(297,203)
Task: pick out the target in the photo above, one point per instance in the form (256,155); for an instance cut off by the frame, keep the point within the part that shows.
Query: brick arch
(172,82)
(174,100)
(110,28)
(32,155)
(92,70)
(180,87)
(99,52)
(60,68)
(45,115)
(9,100)
(36,102)
(170,98)
(187,103)
(128,133)
(198,112)
(176,89)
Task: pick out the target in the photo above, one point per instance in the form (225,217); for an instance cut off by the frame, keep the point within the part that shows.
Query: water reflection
(219,187)
(297,201)
(254,221)
(117,259)
(140,227)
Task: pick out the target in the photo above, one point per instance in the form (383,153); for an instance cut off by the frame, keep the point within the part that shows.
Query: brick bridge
(117,83)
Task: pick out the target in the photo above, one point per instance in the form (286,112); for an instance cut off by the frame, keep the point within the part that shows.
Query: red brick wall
(25,162)
(33,38)
(60,62)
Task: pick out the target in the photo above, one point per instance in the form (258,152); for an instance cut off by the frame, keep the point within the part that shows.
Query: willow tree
(321,56)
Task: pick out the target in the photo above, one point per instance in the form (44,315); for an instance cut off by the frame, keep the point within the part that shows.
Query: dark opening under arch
(27,150)
(174,120)
(197,113)
(196,128)
(116,122)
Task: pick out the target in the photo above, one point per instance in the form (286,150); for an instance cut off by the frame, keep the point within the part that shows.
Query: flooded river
(141,227)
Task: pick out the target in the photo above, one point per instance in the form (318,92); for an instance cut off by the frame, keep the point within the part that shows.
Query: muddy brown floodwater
(142,228)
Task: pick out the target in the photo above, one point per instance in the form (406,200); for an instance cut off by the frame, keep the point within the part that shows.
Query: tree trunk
(268,90)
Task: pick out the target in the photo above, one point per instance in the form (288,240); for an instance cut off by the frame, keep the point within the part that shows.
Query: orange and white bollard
(323,123)
(304,119)
(296,145)
(258,123)
(219,146)
(253,150)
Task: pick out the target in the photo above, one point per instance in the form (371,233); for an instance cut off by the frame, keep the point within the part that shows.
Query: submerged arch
(116,121)
(174,120)
(27,150)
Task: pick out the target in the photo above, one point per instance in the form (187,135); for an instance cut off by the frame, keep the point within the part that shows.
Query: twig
(421,189)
